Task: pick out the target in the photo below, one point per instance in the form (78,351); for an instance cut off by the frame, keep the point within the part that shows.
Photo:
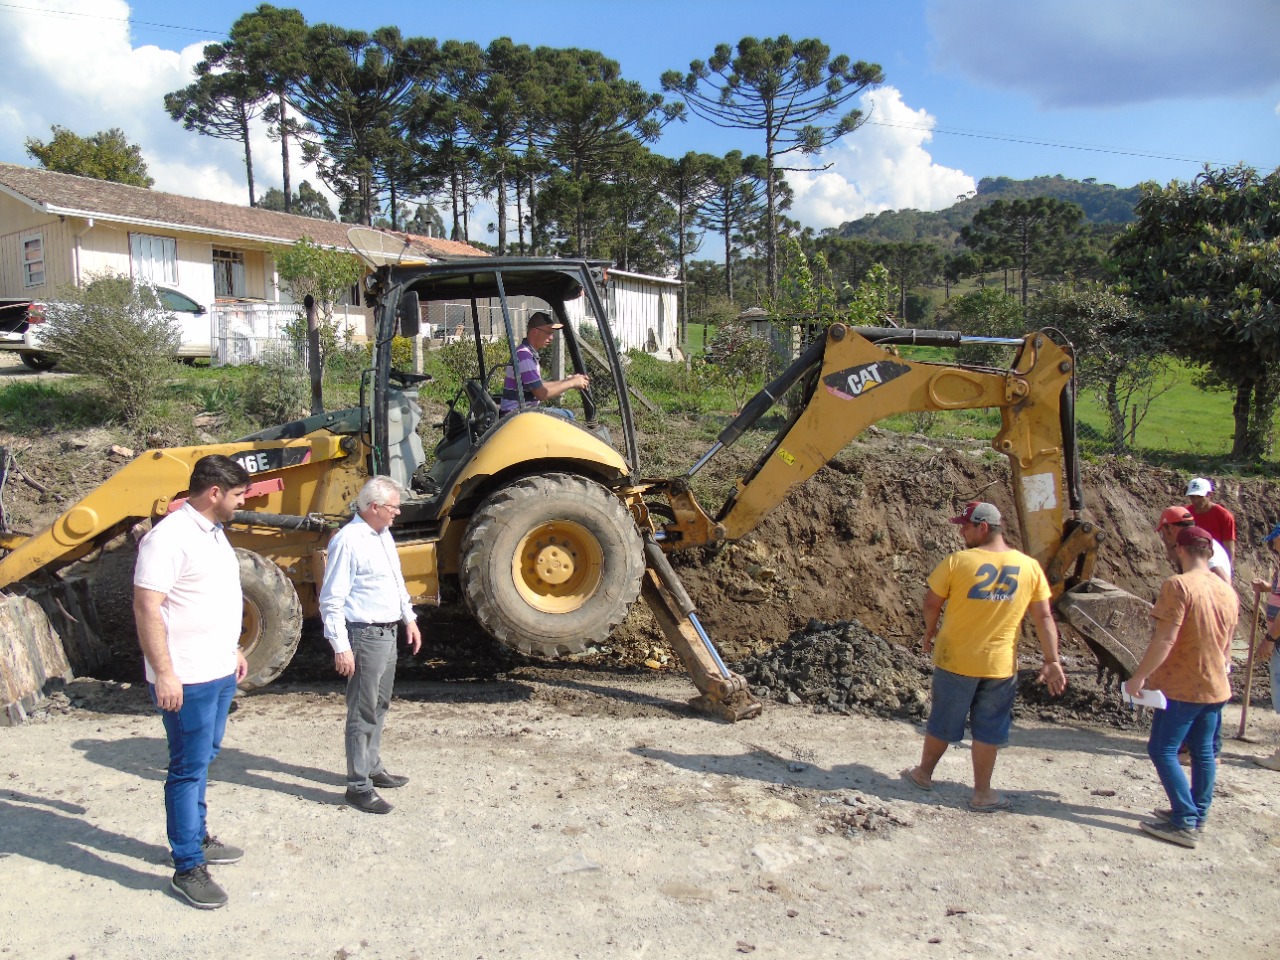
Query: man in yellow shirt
(987,588)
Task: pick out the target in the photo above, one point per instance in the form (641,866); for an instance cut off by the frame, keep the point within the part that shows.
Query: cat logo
(854,382)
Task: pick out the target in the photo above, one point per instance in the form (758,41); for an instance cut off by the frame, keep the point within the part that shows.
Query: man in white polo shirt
(363,601)
(188,607)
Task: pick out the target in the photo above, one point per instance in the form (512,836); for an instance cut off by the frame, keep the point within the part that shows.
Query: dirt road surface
(591,815)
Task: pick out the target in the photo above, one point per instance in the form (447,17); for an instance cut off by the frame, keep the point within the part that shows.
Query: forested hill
(1102,203)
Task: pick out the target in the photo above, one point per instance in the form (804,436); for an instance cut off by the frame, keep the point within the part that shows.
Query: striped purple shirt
(530,379)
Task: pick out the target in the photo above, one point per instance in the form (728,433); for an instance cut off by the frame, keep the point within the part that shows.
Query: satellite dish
(378,248)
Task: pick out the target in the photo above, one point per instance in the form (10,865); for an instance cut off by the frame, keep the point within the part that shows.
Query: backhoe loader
(548,526)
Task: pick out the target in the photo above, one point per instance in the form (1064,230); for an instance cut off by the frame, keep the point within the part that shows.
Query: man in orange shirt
(1195,617)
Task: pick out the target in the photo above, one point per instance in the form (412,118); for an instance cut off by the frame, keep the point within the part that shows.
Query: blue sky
(1118,90)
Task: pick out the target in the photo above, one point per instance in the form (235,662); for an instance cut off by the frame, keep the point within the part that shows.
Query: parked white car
(20,322)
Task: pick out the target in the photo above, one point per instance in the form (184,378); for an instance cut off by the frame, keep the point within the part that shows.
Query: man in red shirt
(1214,517)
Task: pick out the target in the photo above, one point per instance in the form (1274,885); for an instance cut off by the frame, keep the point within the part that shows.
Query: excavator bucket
(1114,624)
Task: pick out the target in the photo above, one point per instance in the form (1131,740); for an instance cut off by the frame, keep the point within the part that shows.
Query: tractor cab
(481,306)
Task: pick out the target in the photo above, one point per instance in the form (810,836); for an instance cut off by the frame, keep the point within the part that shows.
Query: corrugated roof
(61,193)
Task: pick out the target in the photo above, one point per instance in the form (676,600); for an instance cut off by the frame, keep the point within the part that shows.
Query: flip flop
(909,775)
(1001,804)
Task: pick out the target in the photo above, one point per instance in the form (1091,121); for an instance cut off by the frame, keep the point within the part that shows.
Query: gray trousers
(368,697)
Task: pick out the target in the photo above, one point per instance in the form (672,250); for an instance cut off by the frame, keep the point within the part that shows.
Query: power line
(1059,144)
(99,16)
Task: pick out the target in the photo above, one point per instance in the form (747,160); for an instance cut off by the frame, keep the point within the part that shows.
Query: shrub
(740,357)
(277,390)
(116,331)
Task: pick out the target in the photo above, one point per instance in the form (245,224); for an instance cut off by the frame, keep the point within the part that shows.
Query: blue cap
(1275,532)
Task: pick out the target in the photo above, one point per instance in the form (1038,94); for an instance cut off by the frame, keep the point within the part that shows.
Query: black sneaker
(198,888)
(1170,834)
(215,851)
(368,801)
(1166,816)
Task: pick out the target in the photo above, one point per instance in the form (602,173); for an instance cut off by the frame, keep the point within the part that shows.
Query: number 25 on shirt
(998,584)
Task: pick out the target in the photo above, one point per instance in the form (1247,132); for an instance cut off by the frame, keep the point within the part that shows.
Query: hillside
(1102,203)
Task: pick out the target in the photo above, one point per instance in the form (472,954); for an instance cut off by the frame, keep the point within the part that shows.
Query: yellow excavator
(547,527)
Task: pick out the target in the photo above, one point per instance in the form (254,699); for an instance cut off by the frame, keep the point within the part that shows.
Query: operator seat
(404,446)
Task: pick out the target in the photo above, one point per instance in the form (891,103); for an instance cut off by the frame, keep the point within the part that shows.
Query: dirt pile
(845,668)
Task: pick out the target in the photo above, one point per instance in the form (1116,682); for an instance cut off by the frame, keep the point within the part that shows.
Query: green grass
(34,408)
(1184,424)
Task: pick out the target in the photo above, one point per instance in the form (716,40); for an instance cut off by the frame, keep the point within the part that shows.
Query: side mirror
(409,314)
(199,311)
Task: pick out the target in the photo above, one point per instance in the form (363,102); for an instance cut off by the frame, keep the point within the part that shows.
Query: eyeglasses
(393,507)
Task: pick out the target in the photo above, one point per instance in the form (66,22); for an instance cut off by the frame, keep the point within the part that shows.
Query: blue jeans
(195,737)
(1275,679)
(1197,724)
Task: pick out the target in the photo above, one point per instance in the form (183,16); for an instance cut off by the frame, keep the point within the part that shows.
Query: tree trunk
(456,232)
(1115,412)
(248,153)
(1240,411)
(1262,416)
(394,213)
(684,284)
(770,229)
(728,260)
(284,156)
(501,190)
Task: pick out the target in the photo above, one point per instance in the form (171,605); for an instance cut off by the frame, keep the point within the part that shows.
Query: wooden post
(313,355)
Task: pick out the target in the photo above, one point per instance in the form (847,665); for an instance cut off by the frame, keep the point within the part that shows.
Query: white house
(57,229)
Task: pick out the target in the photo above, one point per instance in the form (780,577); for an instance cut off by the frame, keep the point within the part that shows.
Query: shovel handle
(1248,670)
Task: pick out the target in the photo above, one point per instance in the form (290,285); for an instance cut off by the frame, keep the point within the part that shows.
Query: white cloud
(72,63)
(883,165)
(1075,53)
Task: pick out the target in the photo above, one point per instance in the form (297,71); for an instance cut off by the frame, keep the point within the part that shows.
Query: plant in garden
(740,358)
(277,389)
(118,332)
(307,269)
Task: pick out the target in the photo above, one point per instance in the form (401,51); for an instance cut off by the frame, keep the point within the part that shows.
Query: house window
(228,273)
(33,261)
(155,259)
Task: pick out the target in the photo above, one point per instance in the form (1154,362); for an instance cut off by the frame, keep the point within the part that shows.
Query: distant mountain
(1102,203)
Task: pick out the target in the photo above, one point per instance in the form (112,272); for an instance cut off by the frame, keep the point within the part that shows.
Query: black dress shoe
(387,781)
(368,801)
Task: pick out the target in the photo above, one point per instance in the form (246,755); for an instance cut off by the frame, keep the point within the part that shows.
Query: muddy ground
(581,809)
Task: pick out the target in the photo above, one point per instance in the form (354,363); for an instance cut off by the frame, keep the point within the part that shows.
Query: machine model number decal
(260,461)
(854,382)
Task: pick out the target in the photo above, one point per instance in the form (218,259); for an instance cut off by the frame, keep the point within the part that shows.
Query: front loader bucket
(1114,623)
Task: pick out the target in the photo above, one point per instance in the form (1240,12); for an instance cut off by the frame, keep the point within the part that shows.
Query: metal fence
(248,332)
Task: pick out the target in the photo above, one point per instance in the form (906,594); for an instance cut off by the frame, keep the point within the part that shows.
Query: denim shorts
(986,702)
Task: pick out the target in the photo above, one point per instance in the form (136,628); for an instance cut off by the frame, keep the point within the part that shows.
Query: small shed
(643,313)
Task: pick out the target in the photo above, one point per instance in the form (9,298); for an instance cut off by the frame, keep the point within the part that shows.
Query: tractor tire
(38,361)
(272,623)
(551,564)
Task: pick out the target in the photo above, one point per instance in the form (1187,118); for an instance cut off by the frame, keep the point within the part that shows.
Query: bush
(740,357)
(118,332)
(277,390)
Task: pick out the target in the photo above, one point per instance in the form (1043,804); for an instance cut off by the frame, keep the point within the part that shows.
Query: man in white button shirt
(188,606)
(362,602)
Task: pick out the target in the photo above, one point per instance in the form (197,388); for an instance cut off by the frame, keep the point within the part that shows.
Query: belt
(351,624)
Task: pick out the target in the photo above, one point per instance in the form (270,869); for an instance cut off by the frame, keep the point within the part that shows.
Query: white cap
(1199,487)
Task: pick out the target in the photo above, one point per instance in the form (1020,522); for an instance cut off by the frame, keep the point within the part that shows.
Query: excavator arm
(853,378)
